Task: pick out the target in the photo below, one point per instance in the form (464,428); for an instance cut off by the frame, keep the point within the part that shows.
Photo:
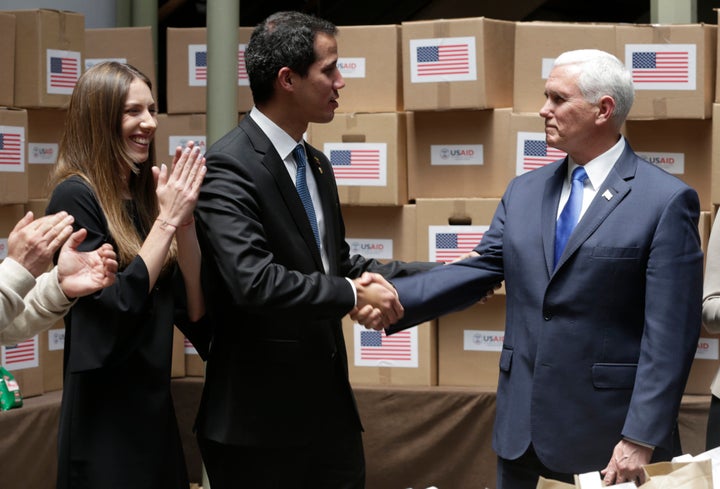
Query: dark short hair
(285,39)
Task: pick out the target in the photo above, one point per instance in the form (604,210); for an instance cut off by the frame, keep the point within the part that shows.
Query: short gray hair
(600,74)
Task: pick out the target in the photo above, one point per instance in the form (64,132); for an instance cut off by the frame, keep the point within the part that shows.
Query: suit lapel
(612,191)
(275,165)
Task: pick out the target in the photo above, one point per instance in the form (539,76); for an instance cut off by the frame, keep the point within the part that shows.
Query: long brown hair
(92,147)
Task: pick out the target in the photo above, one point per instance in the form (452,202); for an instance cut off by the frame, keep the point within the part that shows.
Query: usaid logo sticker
(381,249)
(175,141)
(707,349)
(483,340)
(3,248)
(56,339)
(42,153)
(670,162)
(456,154)
(351,67)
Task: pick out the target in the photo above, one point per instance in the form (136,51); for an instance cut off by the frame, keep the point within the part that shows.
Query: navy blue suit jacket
(601,346)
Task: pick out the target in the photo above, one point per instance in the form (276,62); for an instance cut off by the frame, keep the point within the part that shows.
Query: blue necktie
(570,213)
(303,192)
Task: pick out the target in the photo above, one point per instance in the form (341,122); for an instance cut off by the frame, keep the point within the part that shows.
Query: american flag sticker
(63,71)
(189,348)
(21,356)
(358,164)
(447,243)
(12,149)
(376,349)
(442,59)
(662,66)
(533,152)
(198,65)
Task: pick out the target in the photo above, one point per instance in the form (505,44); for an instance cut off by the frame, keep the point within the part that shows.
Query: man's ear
(285,78)
(606,108)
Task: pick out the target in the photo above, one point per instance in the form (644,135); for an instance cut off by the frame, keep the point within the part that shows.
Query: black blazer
(277,364)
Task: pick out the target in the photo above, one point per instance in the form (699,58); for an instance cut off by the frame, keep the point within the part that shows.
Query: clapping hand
(84,273)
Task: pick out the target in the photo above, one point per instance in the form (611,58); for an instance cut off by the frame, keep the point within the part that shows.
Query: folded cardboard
(131,45)
(13,156)
(49,48)
(458,154)
(673,69)
(187,70)
(457,63)
(7,59)
(371,64)
(682,147)
(537,44)
(45,129)
(177,130)
(383,232)
(368,154)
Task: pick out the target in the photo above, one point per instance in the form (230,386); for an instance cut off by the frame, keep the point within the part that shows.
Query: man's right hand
(378,305)
(33,242)
(84,273)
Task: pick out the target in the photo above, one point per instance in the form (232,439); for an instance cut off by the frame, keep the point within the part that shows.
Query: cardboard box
(469,344)
(13,156)
(178,354)
(455,154)
(457,64)
(368,154)
(537,44)
(405,358)
(23,359)
(177,130)
(382,233)
(683,93)
(7,59)
(682,147)
(194,365)
(715,158)
(187,70)
(52,350)
(371,64)
(131,45)
(45,129)
(526,145)
(48,56)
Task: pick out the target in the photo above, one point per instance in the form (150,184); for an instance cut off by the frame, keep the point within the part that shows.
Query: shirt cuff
(352,284)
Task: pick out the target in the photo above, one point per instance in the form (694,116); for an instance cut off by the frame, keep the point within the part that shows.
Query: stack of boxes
(435,119)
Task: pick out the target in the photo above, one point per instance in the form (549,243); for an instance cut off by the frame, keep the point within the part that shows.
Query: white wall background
(98,13)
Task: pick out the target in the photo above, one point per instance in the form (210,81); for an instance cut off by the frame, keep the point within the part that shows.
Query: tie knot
(579,174)
(299,154)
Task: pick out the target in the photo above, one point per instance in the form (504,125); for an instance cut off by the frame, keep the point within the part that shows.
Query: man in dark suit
(277,409)
(601,332)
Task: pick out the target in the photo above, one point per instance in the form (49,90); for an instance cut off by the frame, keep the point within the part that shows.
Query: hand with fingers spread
(178,187)
(84,273)
(377,302)
(33,242)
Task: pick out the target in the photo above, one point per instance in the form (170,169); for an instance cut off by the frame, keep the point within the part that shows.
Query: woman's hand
(178,188)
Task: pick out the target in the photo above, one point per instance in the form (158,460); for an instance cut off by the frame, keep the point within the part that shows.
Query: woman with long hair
(117,423)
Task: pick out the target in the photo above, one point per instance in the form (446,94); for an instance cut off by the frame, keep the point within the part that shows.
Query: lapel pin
(317,162)
(607,194)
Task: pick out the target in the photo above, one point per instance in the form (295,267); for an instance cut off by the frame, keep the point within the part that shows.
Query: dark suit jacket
(277,364)
(601,346)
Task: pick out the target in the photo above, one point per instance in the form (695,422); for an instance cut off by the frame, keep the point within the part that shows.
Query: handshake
(378,305)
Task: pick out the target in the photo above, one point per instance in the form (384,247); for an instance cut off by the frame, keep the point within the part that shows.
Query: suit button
(547,316)
(332,355)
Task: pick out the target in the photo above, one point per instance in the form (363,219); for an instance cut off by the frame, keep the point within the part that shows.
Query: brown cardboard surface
(186,94)
(469,344)
(45,129)
(488,86)
(13,168)
(421,369)
(176,130)
(674,103)
(52,346)
(42,34)
(381,132)
(681,146)
(7,59)
(444,149)
(178,355)
(131,45)
(537,44)
(383,233)
(371,64)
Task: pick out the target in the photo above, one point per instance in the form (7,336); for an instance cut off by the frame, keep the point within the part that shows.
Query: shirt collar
(282,141)
(598,168)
